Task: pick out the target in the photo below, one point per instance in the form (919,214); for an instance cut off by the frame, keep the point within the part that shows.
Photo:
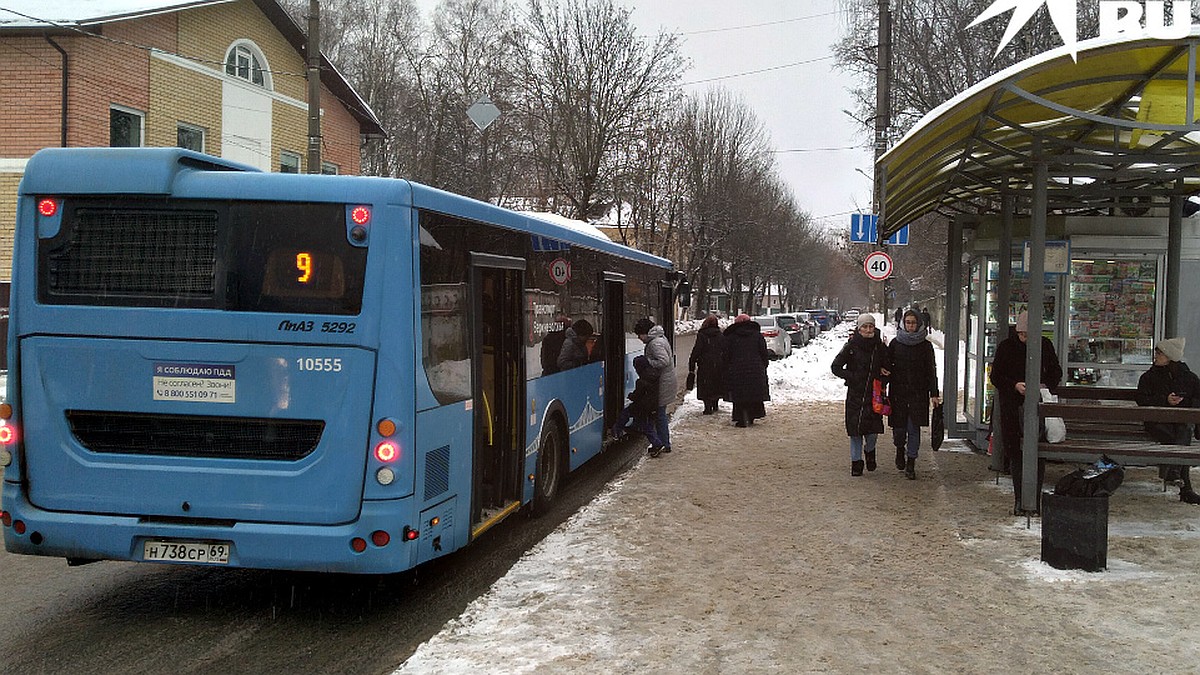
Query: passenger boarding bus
(213,365)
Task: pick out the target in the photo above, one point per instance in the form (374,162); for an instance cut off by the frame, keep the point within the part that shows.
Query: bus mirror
(684,294)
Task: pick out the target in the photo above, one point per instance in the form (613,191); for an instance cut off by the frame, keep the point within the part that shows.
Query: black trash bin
(1075,532)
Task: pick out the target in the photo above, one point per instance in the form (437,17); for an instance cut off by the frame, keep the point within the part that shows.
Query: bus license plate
(210,553)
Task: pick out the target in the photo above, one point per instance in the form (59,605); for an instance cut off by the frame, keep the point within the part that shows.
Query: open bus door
(498,388)
(614,347)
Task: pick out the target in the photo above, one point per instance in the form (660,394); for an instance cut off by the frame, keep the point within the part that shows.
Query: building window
(329,168)
(125,127)
(289,162)
(245,61)
(189,136)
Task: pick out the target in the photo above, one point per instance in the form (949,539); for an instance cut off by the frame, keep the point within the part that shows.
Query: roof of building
(78,16)
(1112,129)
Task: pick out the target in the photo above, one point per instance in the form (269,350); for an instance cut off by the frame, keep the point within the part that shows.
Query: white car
(779,343)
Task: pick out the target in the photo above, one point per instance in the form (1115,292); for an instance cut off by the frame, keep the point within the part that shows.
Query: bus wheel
(549,468)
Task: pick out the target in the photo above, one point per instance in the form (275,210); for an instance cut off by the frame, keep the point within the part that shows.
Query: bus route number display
(307,273)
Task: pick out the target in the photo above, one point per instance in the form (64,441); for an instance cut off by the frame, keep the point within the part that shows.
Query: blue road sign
(863,231)
(899,237)
(862,228)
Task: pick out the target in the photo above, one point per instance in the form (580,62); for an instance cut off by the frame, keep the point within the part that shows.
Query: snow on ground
(505,628)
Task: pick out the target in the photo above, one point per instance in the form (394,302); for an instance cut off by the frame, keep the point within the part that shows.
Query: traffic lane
(111,617)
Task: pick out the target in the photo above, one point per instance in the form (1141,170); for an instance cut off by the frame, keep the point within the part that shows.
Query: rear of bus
(193,365)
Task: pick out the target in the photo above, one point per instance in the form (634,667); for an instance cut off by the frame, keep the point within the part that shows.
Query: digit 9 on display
(295,273)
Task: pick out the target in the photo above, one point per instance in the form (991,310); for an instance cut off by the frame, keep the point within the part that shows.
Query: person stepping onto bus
(642,408)
(1169,382)
(658,353)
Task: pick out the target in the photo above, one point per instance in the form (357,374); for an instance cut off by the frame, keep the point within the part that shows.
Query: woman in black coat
(1008,377)
(913,385)
(863,360)
(708,362)
(1169,382)
(746,358)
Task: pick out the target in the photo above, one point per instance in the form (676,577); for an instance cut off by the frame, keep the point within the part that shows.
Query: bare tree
(592,85)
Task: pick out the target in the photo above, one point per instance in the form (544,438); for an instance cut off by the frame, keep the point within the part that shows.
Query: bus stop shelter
(1054,135)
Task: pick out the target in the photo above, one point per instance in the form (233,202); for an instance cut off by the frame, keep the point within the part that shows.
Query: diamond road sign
(862,231)
(483,112)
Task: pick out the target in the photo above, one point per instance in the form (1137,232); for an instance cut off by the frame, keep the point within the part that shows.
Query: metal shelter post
(1033,349)
(1174,263)
(1003,292)
(953,326)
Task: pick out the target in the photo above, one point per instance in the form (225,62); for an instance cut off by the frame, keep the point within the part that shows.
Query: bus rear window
(237,256)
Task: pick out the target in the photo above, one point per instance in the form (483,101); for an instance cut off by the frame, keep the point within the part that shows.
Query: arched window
(246,61)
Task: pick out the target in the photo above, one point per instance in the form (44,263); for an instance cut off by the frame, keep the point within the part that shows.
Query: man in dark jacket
(746,359)
(643,405)
(1008,377)
(1169,382)
(574,350)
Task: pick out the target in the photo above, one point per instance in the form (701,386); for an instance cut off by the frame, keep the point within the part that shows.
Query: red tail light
(8,435)
(771,332)
(387,451)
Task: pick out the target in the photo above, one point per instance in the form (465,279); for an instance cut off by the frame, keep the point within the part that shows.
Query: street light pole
(883,117)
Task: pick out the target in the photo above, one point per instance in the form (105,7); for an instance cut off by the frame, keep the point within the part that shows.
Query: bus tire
(550,467)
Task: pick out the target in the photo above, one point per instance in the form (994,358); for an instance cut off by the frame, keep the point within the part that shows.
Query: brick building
(226,77)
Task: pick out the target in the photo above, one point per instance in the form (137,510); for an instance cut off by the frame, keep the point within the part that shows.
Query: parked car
(852,314)
(809,323)
(797,332)
(779,343)
(821,316)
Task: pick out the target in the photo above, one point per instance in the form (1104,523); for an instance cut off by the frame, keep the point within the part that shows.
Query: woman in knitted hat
(863,360)
(1169,382)
(1008,377)
(913,387)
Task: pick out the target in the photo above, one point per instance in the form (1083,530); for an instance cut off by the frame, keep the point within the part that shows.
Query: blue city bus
(214,365)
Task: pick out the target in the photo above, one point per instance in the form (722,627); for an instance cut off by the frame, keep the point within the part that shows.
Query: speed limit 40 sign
(878,266)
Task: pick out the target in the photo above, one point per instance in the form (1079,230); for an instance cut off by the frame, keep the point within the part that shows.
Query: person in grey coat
(658,353)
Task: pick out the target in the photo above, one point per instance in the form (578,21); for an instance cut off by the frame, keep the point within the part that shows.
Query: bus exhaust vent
(195,435)
(146,253)
(437,471)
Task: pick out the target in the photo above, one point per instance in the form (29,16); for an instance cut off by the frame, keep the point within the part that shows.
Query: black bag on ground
(937,427)
(1102,478)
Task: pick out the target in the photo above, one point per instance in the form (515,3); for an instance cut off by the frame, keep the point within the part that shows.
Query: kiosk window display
(1110,331)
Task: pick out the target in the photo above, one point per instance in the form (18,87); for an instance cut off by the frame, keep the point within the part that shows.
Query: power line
(842,147)
(760,70)
(758,25)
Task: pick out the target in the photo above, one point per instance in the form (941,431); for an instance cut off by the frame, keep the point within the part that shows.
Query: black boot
(870,461)
(856,468)
(899,458)
(910,468)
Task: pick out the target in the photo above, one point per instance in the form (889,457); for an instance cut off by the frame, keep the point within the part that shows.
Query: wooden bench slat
(1086,411)
(1097,393)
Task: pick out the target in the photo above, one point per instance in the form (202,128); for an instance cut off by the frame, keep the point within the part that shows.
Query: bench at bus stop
(1105,421)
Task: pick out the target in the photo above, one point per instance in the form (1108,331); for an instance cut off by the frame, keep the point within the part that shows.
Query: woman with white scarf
(913,386)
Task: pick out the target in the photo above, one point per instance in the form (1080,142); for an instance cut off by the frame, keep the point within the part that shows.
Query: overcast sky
(800,105)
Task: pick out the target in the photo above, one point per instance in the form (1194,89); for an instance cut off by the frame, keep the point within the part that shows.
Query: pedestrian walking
(897,316)
(707,362)
(926,319)
(746,359)
(1008,377)
(662,360)
(643,407)
(1169,382)
(862,361)
(912,386)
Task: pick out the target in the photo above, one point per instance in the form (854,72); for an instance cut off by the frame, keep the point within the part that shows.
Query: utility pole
(883,121)
(313,74)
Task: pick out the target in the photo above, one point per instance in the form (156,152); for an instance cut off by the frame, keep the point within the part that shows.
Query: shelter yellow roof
(1117,128)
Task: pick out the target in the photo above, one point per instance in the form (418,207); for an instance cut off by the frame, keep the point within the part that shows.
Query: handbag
(879,398)
(691,381)
(937,429)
